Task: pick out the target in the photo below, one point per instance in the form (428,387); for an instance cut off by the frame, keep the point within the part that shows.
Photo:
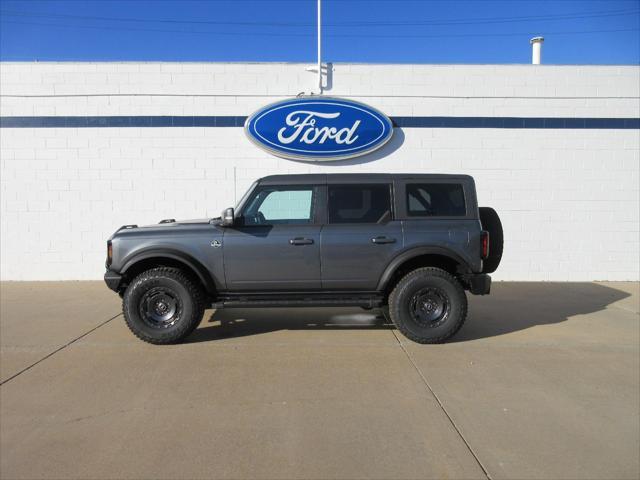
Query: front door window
(280,206)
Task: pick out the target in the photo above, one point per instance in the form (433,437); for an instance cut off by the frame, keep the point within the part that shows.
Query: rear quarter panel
(457,234)
(461,237)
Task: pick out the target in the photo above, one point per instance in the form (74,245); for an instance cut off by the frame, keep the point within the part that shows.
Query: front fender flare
(200,270)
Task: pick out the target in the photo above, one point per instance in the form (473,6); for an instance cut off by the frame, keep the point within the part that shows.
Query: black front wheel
(163,305)
(428,305)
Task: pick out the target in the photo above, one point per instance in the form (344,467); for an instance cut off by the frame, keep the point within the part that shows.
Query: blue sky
(414,31)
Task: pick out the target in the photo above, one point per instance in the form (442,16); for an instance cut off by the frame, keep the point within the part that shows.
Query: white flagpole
(319,47)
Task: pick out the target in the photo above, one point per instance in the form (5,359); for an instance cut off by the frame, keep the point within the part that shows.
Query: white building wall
(569,199)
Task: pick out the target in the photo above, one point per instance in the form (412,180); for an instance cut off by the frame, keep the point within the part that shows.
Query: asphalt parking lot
(543,381)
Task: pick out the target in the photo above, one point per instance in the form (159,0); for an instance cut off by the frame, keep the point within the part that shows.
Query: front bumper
(478,283)
(113,280)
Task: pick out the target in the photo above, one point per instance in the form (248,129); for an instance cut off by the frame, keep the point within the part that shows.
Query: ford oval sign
(319,128)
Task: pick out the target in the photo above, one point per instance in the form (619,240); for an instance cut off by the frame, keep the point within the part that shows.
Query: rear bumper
(478,283)
(113,280)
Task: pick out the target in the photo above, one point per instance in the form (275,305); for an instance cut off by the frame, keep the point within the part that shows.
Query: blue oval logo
(319,129)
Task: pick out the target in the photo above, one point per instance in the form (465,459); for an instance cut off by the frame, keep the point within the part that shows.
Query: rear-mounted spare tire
(492,224)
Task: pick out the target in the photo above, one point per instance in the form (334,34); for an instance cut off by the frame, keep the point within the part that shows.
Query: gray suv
(408,244)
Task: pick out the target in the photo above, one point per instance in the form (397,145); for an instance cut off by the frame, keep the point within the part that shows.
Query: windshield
(245,196)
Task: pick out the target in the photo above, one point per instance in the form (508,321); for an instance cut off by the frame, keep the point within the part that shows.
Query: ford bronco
(409,244)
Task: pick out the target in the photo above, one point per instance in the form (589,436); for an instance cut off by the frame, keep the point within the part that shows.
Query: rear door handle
(301,241)
(382,240)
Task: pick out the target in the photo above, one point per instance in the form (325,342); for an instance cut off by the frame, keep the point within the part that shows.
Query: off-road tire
(490,221)
(189,305)
(445,286)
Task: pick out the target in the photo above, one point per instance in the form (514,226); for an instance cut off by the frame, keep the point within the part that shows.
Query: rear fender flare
(413,253)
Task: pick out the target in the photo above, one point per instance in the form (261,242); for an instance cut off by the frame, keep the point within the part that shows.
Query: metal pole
(319,47)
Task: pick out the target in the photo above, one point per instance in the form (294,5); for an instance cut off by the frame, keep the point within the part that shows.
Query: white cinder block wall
(569,199)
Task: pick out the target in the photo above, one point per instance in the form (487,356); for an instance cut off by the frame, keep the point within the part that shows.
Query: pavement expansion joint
(444,410)
(62,347)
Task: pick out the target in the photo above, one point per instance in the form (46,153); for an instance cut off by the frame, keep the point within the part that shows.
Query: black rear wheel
(428,305)
(163,305)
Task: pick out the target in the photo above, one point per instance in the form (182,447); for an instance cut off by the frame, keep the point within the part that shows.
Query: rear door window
(359,203)
(435,200)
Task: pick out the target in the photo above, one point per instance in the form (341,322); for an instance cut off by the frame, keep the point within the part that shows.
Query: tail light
(484,243)
(109,253)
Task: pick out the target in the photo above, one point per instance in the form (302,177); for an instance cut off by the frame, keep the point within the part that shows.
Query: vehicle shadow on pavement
(514,306)
(511,307)
(242,322)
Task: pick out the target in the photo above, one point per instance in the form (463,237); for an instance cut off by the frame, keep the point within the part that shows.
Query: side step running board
(247,302)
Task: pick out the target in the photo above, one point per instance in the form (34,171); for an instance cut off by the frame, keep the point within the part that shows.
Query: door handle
(382,240)
(301,241)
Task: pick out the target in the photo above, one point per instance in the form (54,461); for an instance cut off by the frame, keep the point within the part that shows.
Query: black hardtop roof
(308,178)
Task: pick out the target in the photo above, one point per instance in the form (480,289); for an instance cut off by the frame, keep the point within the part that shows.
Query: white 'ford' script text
(304,129)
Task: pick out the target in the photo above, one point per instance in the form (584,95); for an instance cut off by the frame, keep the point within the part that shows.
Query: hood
(166,226)
(173,221)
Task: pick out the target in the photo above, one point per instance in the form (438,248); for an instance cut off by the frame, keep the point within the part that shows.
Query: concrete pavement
(543,381)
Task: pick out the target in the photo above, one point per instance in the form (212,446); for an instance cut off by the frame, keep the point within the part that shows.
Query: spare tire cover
(492,224)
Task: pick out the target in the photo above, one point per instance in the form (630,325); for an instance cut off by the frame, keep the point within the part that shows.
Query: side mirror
(228,217)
